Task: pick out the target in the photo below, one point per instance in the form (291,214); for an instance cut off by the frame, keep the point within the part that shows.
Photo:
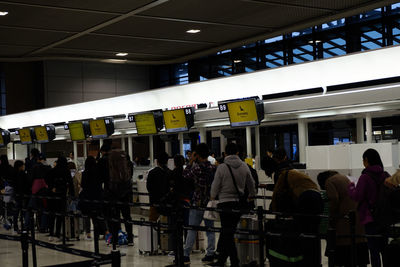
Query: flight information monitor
(242,113)
(41,134)
(145,123)
(77,131)
(178,120)
(101,128)
(25,136)
(4,137)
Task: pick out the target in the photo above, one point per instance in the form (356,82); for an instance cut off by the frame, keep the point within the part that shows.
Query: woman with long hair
(366,194)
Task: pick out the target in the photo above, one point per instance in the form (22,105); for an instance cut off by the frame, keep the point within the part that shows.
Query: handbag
(211,215)
(243,203)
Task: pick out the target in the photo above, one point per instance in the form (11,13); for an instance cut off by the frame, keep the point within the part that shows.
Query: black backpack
(120,182)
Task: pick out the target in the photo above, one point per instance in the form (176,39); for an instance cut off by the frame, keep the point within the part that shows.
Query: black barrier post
(352,218)
(331,245)
(24,246)
(96,235)
(115,258)
(260,217)
(179,239)
(34,259)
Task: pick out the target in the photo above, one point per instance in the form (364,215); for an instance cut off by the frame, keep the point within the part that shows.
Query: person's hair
(90,163)
(202,150)
(373,157)
(162,158)
(4,160)
(179,161)
(240,151)
(71,165)
(106,147)
(35,152)
(269,166)
(62,162)
(323,176)
(231,149)
(18,164)
(279,154)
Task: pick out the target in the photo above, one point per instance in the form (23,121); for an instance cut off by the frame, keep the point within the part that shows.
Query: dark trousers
(56,206)
(115,211)
(229,223)
(310,203)
(376,245)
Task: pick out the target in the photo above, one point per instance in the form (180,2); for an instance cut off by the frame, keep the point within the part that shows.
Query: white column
(123,143)
(223,142)
(303,136)
(248,141)
(258,147)
(360,130)
(84,149)
(168,147)
(101,142)
(368,126)
(130,147)
(10,151)
(75,144)
(203,135)
(151,149)
(180,137)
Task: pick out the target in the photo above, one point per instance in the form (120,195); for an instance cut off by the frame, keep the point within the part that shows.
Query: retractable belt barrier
(114,258)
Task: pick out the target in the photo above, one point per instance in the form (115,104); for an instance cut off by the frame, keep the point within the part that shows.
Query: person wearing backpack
(366,194)
(113,170)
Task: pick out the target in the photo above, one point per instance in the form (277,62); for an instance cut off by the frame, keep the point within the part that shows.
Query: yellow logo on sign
(175,120)
(98,128)
(41,134)
(145,123)
(1,139)
(243,113)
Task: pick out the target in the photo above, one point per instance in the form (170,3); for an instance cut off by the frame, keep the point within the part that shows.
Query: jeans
(195,218)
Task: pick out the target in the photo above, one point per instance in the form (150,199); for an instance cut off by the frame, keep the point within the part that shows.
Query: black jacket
(60,179)
(158,183)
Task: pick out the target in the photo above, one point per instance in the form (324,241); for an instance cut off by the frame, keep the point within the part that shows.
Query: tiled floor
(10,254)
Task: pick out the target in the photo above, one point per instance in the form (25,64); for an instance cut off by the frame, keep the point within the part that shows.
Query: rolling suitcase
(164,236)
(148,240)
(248,245)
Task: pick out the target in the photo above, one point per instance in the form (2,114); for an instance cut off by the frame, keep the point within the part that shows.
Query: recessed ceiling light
(316,41)
(193,31)
(121,54)
(112,60)
(3,13)
(237,61)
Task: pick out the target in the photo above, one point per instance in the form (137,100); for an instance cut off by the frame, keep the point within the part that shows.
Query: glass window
(371,37)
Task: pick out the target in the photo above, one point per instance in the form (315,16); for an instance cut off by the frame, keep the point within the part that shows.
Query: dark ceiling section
(153,31)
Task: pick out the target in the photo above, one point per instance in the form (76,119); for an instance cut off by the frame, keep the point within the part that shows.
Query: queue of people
(229,180)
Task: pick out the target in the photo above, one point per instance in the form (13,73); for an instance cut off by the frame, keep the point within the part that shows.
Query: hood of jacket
(234,161)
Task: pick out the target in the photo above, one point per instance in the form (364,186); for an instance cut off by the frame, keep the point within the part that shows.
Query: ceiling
(154,32)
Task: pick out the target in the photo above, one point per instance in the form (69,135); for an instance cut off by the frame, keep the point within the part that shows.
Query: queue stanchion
(352,218)
(179,261)
(115,258)
(331,246)
(33,240)
(260,217)
(25,247)
(96,235)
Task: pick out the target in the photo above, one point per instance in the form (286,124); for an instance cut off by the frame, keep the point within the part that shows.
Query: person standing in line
(22,188)
(340,204)
(223,188)
(201,173)
(366,194)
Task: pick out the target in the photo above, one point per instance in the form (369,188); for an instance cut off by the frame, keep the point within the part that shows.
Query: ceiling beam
(100,26)
(277,3)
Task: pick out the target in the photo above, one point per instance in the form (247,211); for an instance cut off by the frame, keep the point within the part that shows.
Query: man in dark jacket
(157,184)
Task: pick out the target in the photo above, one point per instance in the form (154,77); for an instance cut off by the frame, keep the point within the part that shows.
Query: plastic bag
(211,215)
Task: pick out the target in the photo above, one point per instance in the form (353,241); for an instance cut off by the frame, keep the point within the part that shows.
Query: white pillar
(151,149)
(222,141)
(84,149)
(123,143)
(130,147)
(180,137)
(360,130)
(203,135)
(303,136)
(168,147)
(258,147)
(368,126)
(101,142)
(248,142)
(75,144)
(10,151)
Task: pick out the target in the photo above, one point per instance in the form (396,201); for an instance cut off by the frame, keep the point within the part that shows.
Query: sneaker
(108,238)
(186,260)
(51,238)
(171,254)
(208,259)
(88,238)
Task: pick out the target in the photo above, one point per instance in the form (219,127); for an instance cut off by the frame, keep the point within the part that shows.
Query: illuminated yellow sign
(76,131)
(242,113)
(98,129)
(25,136)
(41,134)
(1,140)
(175,120)
(145,123)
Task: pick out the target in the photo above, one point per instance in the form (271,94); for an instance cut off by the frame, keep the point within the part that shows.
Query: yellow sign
(76,131)
(243,113)
(1,140)
(98,129)
(145,123)
(41,134)
(25,136)
(175,120)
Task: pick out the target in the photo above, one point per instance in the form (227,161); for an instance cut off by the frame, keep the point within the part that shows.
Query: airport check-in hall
(199,133)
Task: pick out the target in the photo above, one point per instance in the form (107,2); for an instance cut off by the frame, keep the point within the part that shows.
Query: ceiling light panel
(3,13)
(193,31)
